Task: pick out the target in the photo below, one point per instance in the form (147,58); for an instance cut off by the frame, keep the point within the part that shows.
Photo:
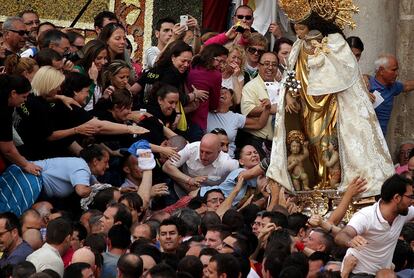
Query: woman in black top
(13,92)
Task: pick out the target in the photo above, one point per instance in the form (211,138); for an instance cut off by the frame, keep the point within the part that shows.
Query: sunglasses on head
(20,32)
(247,17)
(253,50)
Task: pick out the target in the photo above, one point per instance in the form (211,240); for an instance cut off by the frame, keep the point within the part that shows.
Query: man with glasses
(14,34)
(14,248)
(372,233)
(32,22)
(263,87)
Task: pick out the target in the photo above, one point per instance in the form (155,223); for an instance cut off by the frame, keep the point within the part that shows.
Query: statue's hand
(292,106)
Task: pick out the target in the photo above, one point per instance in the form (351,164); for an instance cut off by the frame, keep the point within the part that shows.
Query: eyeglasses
(268,64)
(220,61)
(3,233)
(33,22)
(409,196)
(20,32)
(253,50)
(247,17)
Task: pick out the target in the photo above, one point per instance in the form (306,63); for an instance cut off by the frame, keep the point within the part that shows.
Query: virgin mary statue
(332,103)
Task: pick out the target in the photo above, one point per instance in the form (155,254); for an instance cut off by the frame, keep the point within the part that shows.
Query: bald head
(34,238)
(210,148)
(31,219)
(83,255)
(386,273)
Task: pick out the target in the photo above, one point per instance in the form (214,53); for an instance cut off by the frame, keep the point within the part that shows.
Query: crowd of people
(112,167)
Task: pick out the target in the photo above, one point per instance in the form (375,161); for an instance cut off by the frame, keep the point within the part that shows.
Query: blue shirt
(18,255)
(388,93)
(61,174)
(228,185)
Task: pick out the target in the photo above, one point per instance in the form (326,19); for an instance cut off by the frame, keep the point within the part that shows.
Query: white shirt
(150,56)
(192,166)
(228,82)
(47,257)
(381,237)
(230,122)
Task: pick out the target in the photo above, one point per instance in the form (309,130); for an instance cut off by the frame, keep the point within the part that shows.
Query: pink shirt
(210,81)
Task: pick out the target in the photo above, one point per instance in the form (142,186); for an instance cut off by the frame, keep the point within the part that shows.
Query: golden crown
(337,11)
(295,135)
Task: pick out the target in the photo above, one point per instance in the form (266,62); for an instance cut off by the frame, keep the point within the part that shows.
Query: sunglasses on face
(20,32)
(253,50)
(247,17)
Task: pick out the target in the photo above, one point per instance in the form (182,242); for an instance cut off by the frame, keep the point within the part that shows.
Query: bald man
(85,255)
(201,164)
(386,85)
(34,238)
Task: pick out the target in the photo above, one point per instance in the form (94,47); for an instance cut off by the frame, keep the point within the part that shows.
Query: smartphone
(239,28)
(183,20)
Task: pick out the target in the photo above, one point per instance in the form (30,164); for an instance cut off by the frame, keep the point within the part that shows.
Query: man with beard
(372,232)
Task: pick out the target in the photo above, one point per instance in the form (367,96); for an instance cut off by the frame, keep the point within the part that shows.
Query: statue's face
(301,30)
(295,147)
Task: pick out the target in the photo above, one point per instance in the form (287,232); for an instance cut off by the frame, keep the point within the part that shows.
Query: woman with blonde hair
(26,67)
(233,72)
(35,124)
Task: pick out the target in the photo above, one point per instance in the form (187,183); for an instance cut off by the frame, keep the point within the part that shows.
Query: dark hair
(46,23)
(297,221)
(8,83)
(119,236)
(355,42)
(111,70)
(57,230)
(82,232)
(214,190)
(122,214)
(291,271)
(206,57)
(316,22)
(192,265)
(133,199)
(46,56)
(219,130)
(277,218)
(269,52)
(107,32)
(52,36)
(279,42)
(72,36)
(172,50)
(99,18)
(146,249)
(75,270)
(160,90)
(228,264)
(164,20)
(233,219)
(130,265)
(96,242)
(320,256)
(90,51)
(177,222)
(162,270)
(92,151)
(74,82)
(209,219)
(395,184)
(190,218)
(12,222)
(249,213)
(23,269)
(402,253)
(103,198)
(208,252)
(299,261)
